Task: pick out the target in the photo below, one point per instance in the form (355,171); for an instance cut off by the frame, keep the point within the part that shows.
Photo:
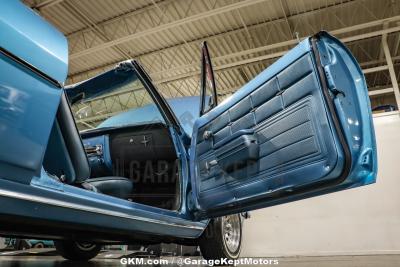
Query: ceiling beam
(264,23)
(291,43)
(372,92)
(86,20)
(278,54)
(365,71)
(166,26)
(118,18)
(46,4)
(275,55)
(375,69)
(392,71)
(278,20)
(380,91)
(286,13)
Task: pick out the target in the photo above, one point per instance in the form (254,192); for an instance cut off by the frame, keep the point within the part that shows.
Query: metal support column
(391,69)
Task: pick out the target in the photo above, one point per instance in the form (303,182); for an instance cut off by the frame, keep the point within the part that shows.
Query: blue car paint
(28,36)
(64,203)
(28,106)
(355,118)
(46,243)
(25,97)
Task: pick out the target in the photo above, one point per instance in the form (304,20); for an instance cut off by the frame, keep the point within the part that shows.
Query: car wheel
(222,238)
(39,245)
(77,251)
(155,250)
(22,244)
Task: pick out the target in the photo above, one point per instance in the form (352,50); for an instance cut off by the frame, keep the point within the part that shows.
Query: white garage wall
(364,220)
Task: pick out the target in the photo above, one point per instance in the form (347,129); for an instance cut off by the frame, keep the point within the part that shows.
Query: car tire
(155,250)
(76,251)
(39,245)
(222,238)
(22,244)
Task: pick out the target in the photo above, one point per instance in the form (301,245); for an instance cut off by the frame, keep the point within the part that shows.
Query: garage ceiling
(244,36)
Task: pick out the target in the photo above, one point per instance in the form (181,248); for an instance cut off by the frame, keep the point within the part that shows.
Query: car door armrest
(237,151)
(233,137)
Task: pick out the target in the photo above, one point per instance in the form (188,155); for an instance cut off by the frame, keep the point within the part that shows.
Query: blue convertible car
(300,129)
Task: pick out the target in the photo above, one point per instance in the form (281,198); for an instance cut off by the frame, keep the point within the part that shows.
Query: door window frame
(207,72)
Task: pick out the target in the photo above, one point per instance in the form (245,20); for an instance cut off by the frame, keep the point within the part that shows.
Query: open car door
(301,128)
(33,65)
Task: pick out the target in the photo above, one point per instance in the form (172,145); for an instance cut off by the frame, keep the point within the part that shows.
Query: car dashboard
(143,153)
(97,149)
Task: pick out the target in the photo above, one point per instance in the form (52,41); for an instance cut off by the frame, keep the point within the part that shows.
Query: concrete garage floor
(48,258)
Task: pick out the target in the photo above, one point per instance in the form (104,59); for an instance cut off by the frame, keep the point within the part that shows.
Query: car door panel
(33,65)
(23,99)
(295,130)
(286,113)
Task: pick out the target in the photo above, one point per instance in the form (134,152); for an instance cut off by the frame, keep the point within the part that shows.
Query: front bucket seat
(65,157)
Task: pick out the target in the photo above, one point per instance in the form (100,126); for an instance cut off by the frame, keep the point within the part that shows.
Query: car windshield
(109,95)
(116,99)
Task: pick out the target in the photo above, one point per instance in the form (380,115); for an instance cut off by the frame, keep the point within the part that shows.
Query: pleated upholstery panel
(289,119)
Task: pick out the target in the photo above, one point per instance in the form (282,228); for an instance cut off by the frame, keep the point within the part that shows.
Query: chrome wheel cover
(231,232)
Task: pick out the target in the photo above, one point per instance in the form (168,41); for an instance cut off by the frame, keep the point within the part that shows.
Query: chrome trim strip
(60,203)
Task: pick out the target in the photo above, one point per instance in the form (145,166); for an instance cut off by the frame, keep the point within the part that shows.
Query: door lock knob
(210,164)
(207,135)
